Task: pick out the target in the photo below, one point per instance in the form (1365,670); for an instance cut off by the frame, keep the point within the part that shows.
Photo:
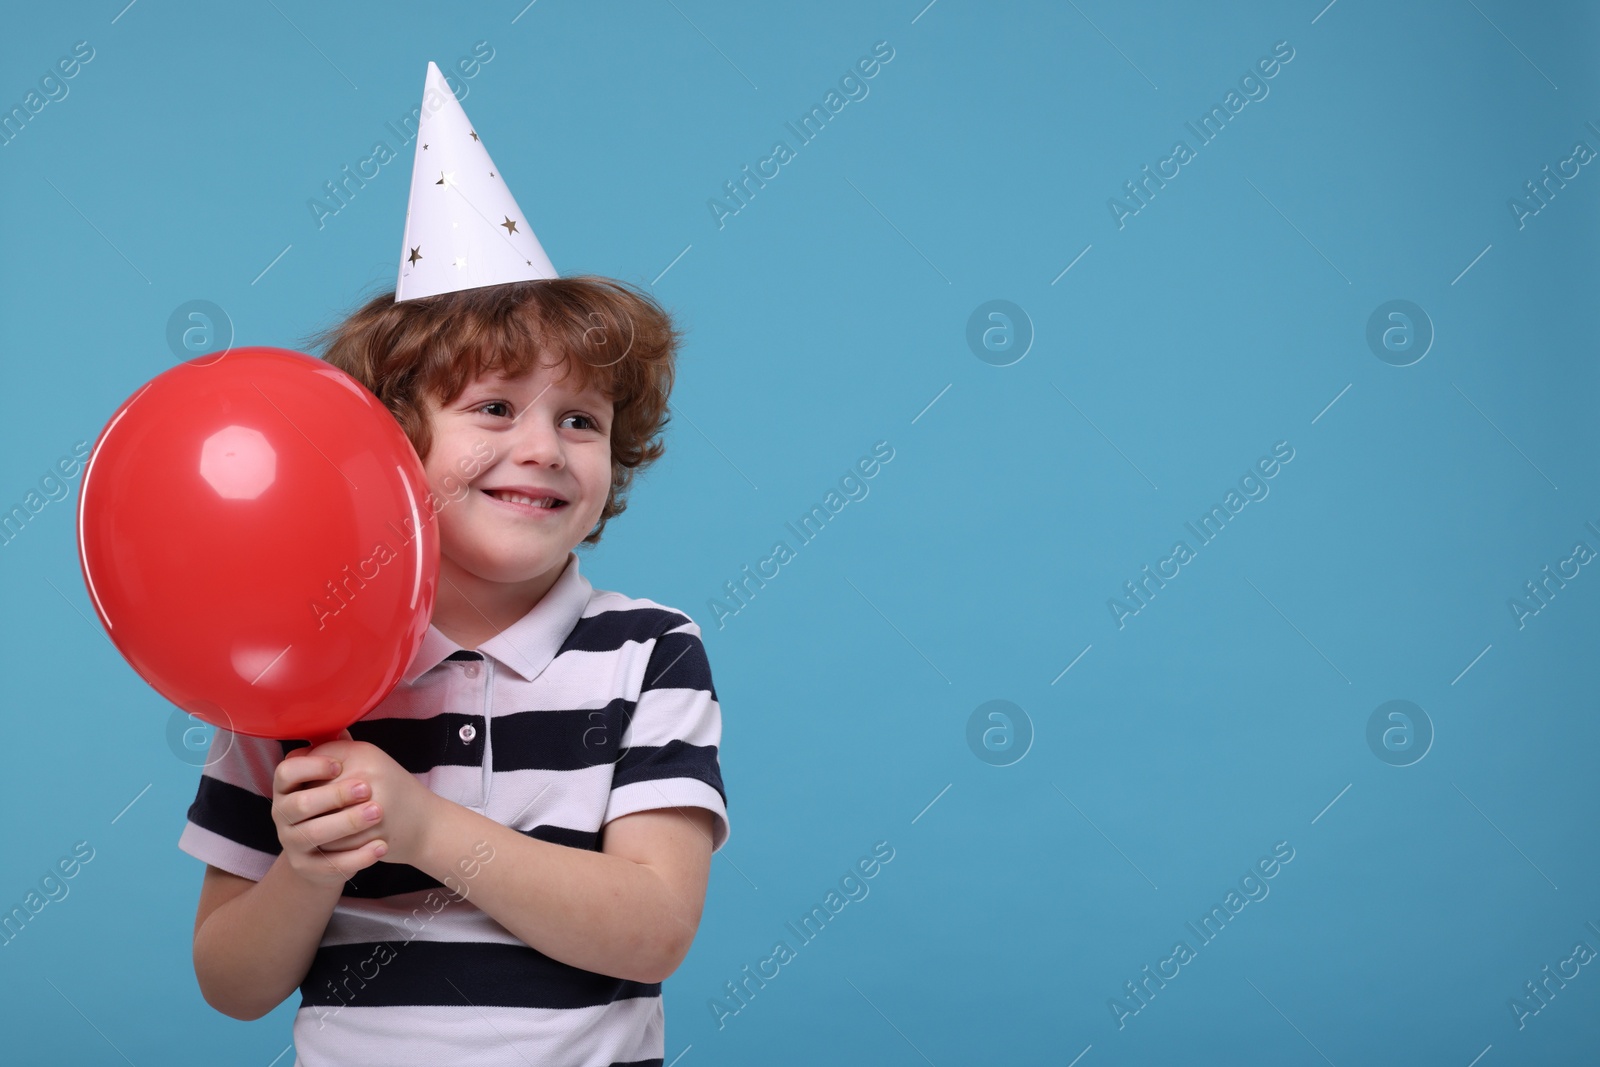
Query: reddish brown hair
(611,335)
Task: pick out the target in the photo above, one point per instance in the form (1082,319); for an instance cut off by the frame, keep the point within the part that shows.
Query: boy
(503,860)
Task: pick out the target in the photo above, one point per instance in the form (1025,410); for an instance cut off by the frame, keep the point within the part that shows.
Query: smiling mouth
(522,503)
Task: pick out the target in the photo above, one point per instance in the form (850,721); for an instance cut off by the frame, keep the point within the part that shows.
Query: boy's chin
(510,568)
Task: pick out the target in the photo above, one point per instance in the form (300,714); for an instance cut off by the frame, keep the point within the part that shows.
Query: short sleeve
(668,756)
(230,822)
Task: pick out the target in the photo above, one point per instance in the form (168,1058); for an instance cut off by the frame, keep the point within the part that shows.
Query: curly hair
(610,334)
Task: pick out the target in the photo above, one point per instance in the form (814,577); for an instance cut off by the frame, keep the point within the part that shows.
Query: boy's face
(528,435)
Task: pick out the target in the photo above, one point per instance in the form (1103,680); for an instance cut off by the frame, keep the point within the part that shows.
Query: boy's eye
(592,425)
(588,422)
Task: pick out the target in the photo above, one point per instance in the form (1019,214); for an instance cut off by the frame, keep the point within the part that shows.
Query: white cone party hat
(463,229)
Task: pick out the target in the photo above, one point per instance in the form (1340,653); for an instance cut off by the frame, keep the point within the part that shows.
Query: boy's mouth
(526,501)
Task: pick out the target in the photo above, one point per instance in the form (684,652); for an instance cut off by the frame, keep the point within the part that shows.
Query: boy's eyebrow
(499,383)
(500,380)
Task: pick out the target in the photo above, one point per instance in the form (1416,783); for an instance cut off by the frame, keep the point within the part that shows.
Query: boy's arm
(630,910)
(254,941)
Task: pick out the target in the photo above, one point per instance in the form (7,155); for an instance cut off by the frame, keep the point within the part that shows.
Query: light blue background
(829,314)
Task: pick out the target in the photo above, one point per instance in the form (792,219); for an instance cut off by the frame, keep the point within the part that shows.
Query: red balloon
(256,535)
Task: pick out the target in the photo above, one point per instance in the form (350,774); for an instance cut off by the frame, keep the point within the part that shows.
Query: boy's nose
(538,443)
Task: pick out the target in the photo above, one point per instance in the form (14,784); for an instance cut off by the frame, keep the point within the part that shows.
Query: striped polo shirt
(593,705)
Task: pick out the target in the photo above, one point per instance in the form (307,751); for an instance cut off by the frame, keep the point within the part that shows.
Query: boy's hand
(405,804)
(311,816)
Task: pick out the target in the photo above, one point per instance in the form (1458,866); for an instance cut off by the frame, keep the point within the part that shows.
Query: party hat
(463,229)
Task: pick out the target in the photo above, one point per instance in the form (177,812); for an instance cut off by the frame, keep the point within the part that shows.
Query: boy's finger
(297,768)
(351,842)
(339,824)
(322,797)
(333,748)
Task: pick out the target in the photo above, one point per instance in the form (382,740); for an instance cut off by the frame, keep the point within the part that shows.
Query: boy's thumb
(344,735)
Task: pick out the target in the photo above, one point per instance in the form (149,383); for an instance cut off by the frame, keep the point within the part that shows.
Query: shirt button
(471,671)
(468,732)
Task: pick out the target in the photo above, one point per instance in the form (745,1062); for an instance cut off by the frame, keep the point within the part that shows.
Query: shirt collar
(527,646)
